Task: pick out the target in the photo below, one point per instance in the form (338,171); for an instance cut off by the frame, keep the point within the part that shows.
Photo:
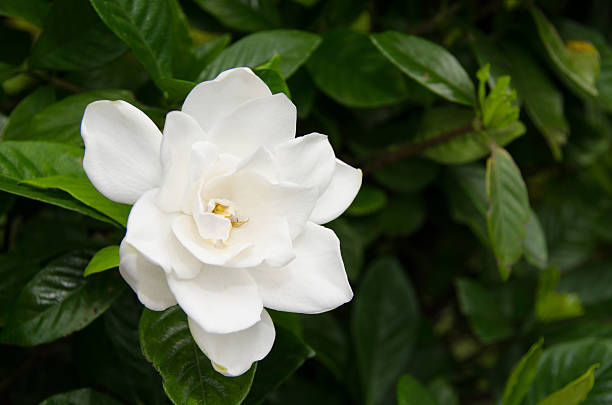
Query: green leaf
(287,355)
(59,301)
(74,38)
(551,305)
(244,15)
(573,393)
(33,11)
(15,272)
(369,200)
(498,108)
(543,101)
(407,175)
(83,396)
(333,68)
(443,392)
(352,246)
(534,245)
(403,215)
(21,117)
(466,192)
(104,259)
(205,53)
(508,209)
(566,362)
(294,48)
(271,74)
(483,311)
(578,61)
(429,64)
(383,336)
(592,283)
(324,334)
(156,32)
(522,375)
(61,122)
(463,148)
(412,392)
(188,375)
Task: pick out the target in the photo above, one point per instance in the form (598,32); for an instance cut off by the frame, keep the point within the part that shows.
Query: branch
(388,157)
(59,83)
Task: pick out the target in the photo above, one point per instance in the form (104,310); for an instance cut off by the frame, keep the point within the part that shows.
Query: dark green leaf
(189,377)
(483,312)
(522,376)
(15,272)
(407,175)
(270,73)
(352,246)
(333,68)
(294,48)
(21,117)
(33,11)
(83,396)
(244,15)
(534,246)
(59,301)
(403,215)
(74,38)
(383,336)
(324,334)
(104,259)
(443,392)
(369,200)
(593,284)
(427,63)
(508,209)
(412,392)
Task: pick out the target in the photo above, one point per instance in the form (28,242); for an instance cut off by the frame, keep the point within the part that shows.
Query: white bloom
(227,211)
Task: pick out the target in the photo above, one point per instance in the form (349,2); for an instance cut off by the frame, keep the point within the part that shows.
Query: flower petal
(181,132)
(340,193)
(149,231)
(209,101)
(121,150)
(146,279)
(272,243)
(264,121)
(219,300)
(312,283)
(308,160)
(232,354)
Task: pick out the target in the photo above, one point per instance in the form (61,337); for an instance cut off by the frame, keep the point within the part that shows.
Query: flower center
(225,208)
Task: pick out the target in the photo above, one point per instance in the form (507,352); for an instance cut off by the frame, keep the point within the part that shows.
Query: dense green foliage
(479,247)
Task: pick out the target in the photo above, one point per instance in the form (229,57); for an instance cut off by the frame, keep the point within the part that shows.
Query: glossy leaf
(412,392)
(59,301)
(189,377)
(483,311)
(508,209)
(15,272)
(244,15)
(332,68)
(573,393)
(522,376)
(83,396)
(20,118)
(429,64)
(383,337)
(74,38)
(104,259)
(294,48)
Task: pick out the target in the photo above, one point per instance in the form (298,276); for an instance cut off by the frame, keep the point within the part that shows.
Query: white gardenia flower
(228,207)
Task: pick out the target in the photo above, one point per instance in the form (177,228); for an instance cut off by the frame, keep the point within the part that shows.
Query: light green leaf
(104,259)
(578,61)
(551,305)
(243,15)
(294,48)
(534,245)
(429,64)
(522,376)
(59,301)
(573,393)
(369,200)
(508,209)
(21,117)
(332,68)
(464,148)
(412,392)
(483,311)
(83,396)
(74,38)
(383,336)
(189,377)
(270,73)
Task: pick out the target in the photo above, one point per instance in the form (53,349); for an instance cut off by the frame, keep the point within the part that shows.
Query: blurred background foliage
(479,246)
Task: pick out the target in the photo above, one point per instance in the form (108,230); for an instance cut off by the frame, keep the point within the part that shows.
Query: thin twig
(59,83)
(432,24)
(388,157)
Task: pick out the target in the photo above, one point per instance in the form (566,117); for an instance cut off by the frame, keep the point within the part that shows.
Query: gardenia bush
(305,202)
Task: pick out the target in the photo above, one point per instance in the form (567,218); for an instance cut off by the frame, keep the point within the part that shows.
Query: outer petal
(214,99)
(149,231)
(340,193)
(264,121)
(181,131)
(219,300)
(308,160)
(314,282)
(233,354)
(146,279)
(121,150)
